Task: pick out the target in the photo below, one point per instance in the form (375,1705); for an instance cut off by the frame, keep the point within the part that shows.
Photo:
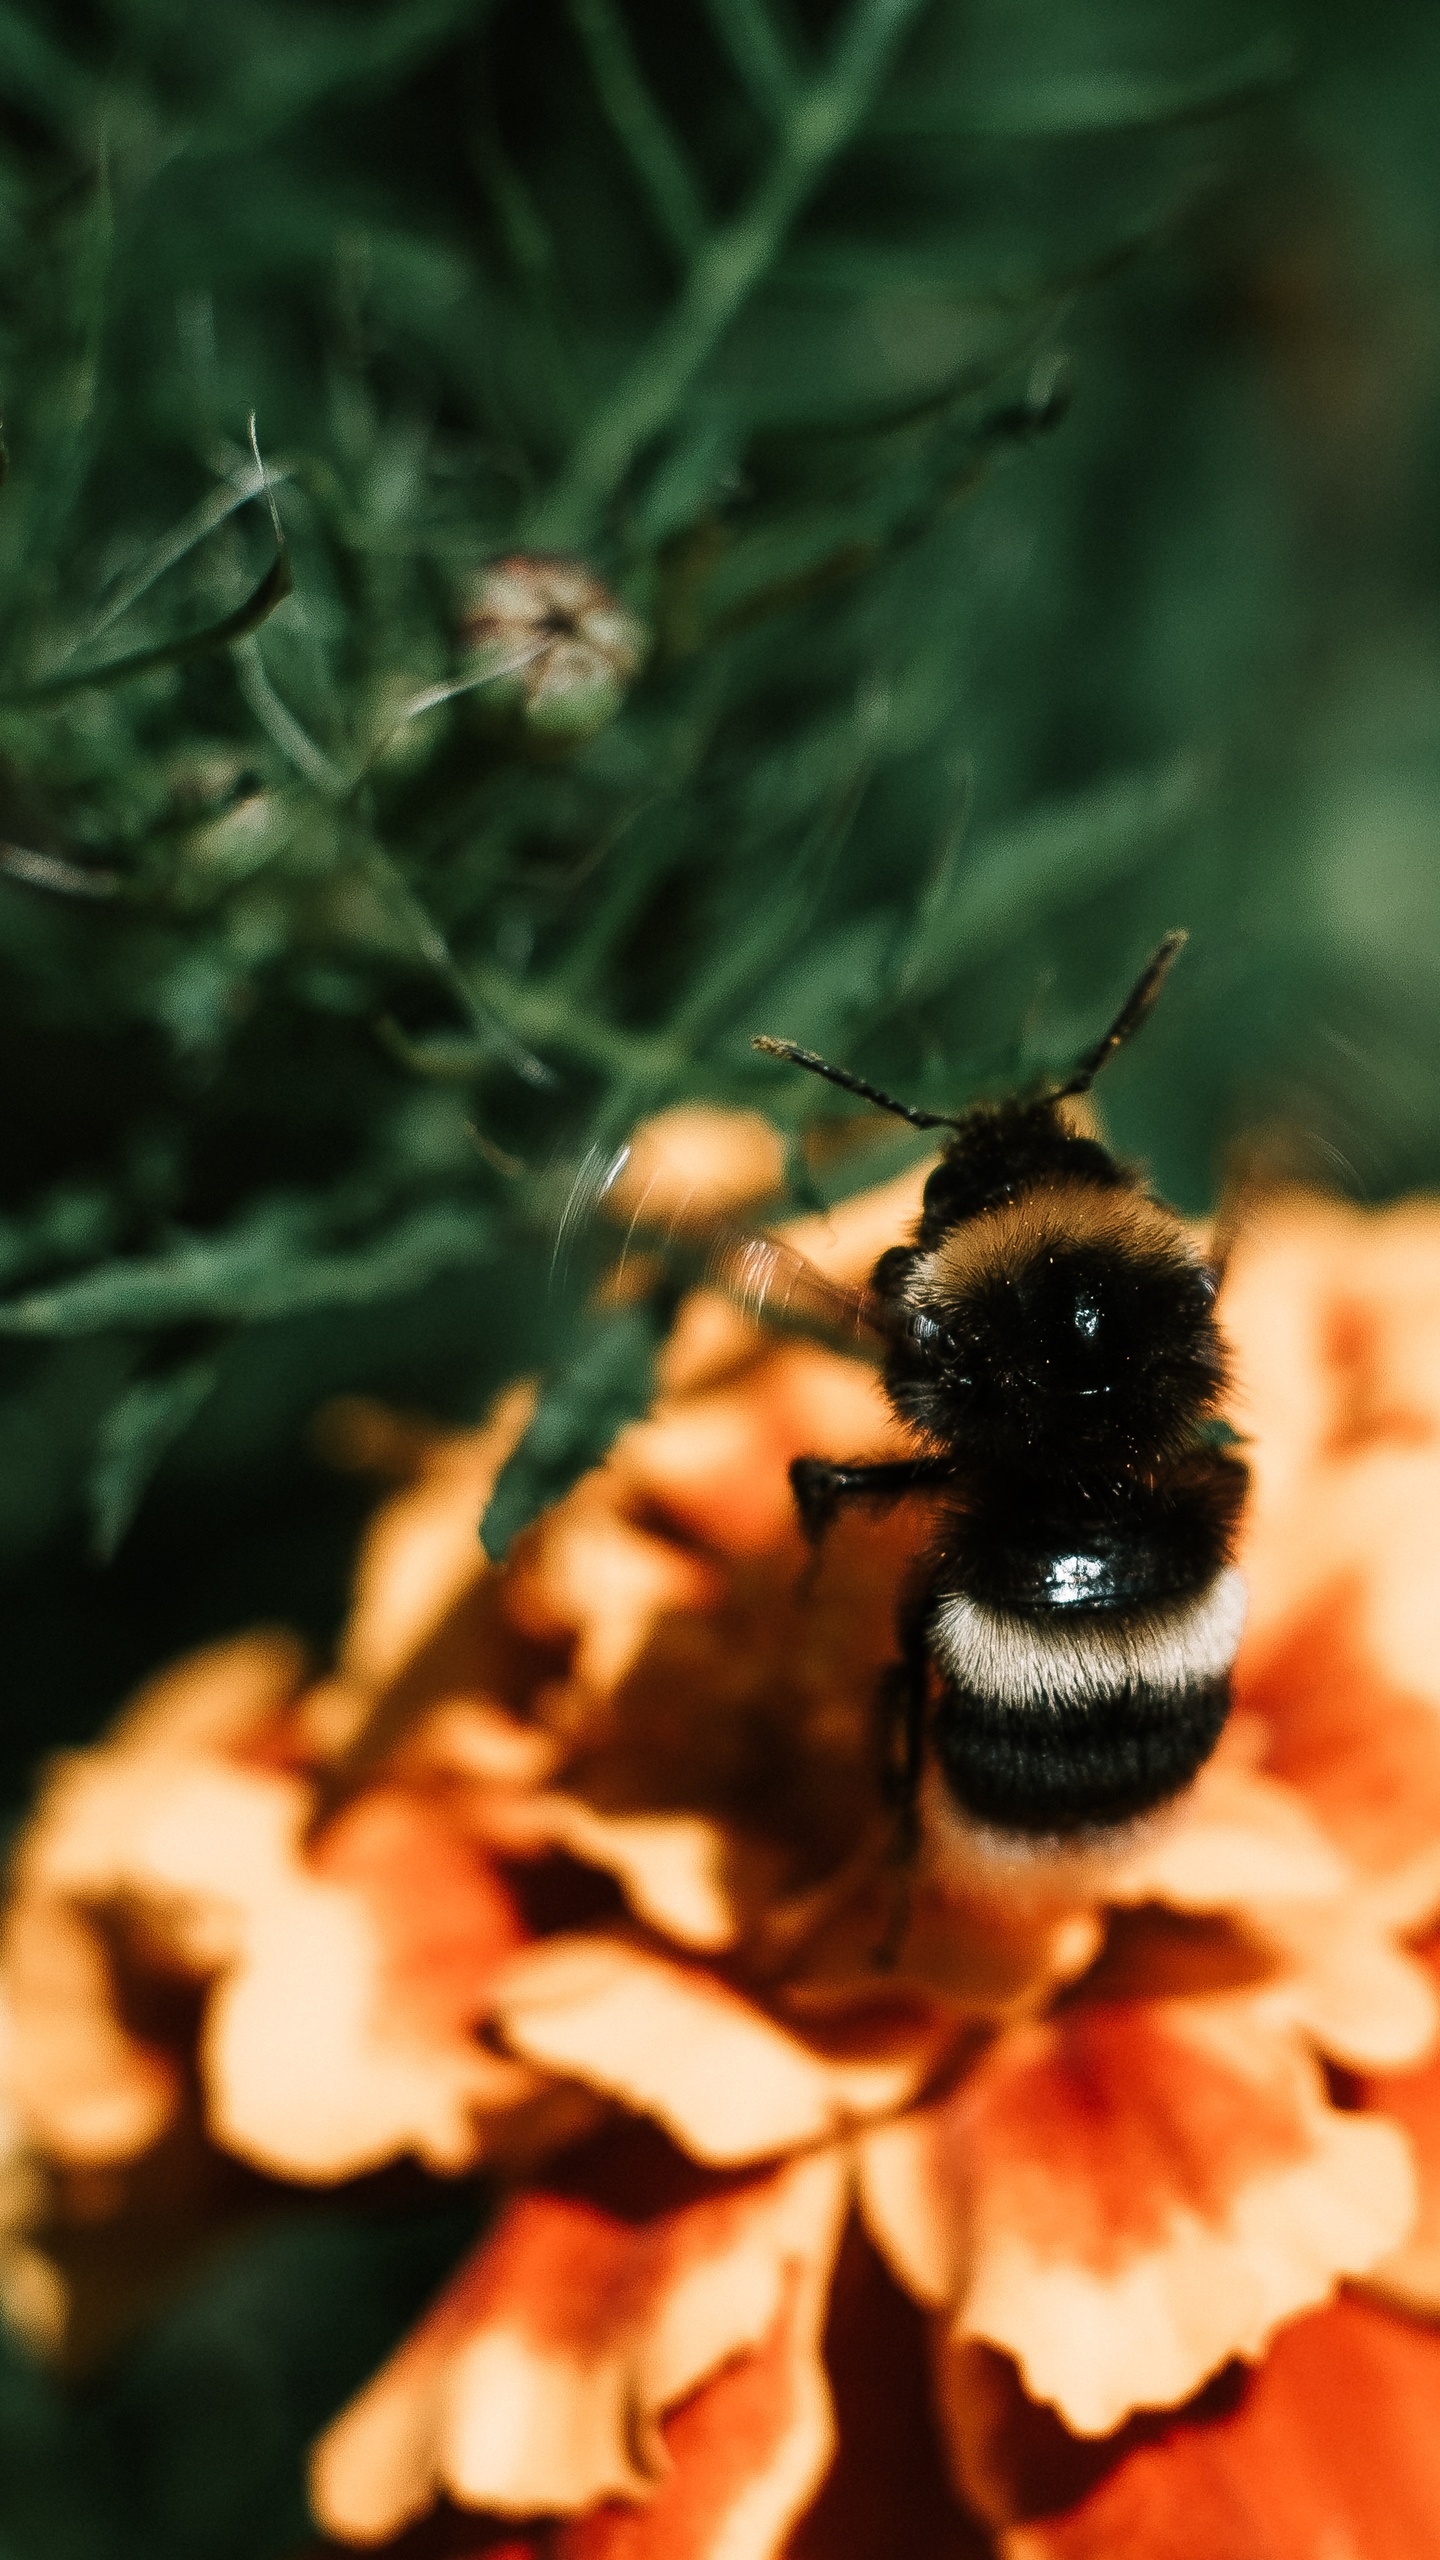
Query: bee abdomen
(1057,1720)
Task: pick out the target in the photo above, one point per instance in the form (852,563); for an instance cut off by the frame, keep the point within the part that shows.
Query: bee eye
(1087,1318)
(931,1339)
(892,1271)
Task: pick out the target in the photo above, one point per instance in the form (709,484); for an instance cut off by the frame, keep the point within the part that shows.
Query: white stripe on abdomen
(1069,1655)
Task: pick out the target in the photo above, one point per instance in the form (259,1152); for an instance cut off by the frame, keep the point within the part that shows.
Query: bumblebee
(1048,1340)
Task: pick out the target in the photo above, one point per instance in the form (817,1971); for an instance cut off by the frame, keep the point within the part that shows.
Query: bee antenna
(1129,1019)
(795,1057)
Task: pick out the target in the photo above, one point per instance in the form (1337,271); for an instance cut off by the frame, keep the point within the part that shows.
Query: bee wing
(767,1278)
(773,1282)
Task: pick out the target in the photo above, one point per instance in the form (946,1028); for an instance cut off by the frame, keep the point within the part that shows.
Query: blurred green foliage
(1016,426)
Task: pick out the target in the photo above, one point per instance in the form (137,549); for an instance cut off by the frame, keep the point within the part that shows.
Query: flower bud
(563,651)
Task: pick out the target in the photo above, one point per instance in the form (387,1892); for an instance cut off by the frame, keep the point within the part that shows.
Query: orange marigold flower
(575,1871)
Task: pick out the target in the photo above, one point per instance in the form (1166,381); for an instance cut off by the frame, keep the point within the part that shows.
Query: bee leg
(820,1487)
(904,1702)
(816,1486)
(909,1701)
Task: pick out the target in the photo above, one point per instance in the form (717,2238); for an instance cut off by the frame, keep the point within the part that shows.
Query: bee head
(1075,1324)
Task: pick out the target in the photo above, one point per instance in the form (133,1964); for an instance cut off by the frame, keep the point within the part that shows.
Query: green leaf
(232,628)
(256,1272)
(608,1382)
(728,270)
(1101,96)
(34,69)
(140,1426)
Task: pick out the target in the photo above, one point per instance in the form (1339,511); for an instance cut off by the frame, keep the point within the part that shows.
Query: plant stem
(643,130)
(723,277)
(760,54)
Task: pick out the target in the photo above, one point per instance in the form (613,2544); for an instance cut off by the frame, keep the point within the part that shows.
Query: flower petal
(1234,1838)
(1363,2000)
(1326,2451)
(344,2032)
(1332,1315)
(746,2453)
(671,1867)
(601,2301)
(103,1811)
(743,2454)
(1341,1670)
(1335,1320)
(585,1575)
(1127,2195)
(421,1560)
(719,1460)
(81,2084)
(694,1164)
(982,1946)
(1410,2275)
(676,2043)
(350,1973)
